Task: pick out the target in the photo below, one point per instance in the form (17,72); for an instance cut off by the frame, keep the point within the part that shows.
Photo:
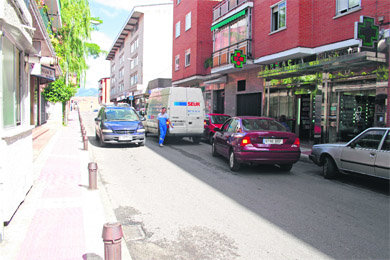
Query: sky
(114,14)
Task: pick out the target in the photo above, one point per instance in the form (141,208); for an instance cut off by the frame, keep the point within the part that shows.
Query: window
(221,38)
(121,59)
(370,139)
(188,57)
(226,125)
(177,29)
(121,73)
(241,85)
(232,127)
(343,6)
(188,21)
(278,16)
(177,62)
(134,79)
(133,62)
(238,31)
(386,143)
(11,84)
(178,2)
(134,45)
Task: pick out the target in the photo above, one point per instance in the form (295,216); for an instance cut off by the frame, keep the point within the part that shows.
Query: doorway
(249,104)
(219,104)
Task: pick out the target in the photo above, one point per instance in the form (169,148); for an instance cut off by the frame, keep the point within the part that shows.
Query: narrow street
(179,202)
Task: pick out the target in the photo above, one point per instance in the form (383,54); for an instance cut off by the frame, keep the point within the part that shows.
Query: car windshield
(218,119)
(262,125)
(120,114)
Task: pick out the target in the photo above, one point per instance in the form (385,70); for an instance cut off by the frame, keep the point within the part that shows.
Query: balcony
(222,56)
(227,6)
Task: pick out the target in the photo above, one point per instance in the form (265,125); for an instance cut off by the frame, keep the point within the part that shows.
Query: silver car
(368,153)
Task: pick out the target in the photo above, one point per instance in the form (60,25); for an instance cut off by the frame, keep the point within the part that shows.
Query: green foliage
(71,40)
(382,73)
(58,91)
(208,63)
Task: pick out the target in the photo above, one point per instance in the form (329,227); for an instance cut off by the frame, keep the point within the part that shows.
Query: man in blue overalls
(163,121)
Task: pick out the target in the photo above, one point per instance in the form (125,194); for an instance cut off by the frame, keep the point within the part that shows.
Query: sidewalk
(60,217)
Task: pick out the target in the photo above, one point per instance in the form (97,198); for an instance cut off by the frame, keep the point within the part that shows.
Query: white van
(185,108)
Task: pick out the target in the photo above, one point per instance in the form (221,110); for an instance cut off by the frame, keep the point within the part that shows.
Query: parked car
(258,140)
(119,124)
(211,122)
(368,153)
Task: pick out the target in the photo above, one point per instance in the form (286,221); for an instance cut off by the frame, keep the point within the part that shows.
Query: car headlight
(106,130)
(141,130)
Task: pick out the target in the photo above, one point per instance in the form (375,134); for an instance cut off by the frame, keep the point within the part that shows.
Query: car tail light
(297,143)
(245,141)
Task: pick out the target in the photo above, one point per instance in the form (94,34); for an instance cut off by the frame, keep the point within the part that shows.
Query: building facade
(302,59)
(134,56)
(329,83)
(104,91)
(19,51)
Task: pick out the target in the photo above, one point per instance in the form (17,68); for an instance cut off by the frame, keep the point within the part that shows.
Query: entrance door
(219,108)
(305,117)
(249,104)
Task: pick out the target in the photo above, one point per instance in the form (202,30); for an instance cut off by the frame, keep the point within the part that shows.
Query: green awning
(228,20)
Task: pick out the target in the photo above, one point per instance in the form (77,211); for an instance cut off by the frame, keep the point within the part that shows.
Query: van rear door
(178,110)
(195,111)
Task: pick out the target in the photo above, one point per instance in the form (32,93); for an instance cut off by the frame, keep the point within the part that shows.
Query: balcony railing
(46,19)
(226,6)
(222,56)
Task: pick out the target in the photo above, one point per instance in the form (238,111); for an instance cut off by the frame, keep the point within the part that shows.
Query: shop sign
(290,66)
(238,58)
(39,70)
(366,31)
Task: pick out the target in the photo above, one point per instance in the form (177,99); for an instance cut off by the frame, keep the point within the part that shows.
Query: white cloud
(128,4)
(100,67)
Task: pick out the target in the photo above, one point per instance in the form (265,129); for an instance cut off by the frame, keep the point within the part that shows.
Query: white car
(368,153)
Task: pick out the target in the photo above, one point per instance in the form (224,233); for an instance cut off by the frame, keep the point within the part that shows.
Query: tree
(71,45)
(58,91)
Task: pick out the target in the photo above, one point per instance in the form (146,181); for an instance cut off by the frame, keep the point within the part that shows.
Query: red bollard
(85,141)
(92,169)
(112,236)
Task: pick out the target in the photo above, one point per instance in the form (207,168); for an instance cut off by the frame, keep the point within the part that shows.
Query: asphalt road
(179,202)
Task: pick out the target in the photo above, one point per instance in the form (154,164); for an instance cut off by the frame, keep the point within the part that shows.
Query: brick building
(304,59)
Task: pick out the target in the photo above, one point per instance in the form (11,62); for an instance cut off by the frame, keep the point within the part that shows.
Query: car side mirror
(206,122)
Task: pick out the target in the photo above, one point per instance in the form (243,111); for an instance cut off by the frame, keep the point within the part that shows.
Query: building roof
(129,27)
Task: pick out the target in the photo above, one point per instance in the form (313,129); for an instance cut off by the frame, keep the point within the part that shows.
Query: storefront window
(357,110)
(11,83)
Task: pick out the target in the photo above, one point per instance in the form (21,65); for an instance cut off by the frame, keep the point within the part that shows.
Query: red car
(212,121)
(259,140)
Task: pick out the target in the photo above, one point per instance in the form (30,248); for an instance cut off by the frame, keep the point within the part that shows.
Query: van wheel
(233,164)
(196,140)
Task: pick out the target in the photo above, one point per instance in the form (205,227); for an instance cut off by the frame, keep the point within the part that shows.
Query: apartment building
(104,91)
(141,52)
(308,60)
(23,44)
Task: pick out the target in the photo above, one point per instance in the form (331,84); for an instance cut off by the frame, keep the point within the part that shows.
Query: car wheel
(233,164)
(329,169)
(211,138)
(213,150)
(101,142)
(286,167)
(196,140)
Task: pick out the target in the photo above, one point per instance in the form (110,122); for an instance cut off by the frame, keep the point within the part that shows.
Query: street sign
(366,31)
